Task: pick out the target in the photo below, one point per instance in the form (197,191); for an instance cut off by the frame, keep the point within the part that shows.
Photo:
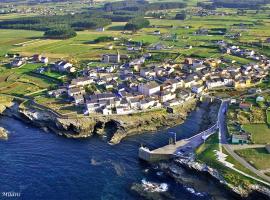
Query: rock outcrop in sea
(3,134)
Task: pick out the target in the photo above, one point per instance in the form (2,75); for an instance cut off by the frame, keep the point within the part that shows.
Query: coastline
(115,128)
(171,169)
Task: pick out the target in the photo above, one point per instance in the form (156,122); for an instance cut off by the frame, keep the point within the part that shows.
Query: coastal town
(124,86)
(168,99)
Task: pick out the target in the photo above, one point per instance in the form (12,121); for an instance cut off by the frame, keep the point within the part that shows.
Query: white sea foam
(154,187)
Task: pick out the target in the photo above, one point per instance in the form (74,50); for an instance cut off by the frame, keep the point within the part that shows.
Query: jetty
(175,148)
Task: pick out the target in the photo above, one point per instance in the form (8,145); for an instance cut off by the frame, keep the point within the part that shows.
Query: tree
(181,16)
(137,23)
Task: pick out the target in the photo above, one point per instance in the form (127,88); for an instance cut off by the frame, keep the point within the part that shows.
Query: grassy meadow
(260,133)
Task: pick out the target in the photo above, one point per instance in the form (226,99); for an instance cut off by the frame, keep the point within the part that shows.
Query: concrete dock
(187,145)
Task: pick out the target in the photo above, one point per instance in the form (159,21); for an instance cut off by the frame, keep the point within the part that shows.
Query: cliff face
(115,127)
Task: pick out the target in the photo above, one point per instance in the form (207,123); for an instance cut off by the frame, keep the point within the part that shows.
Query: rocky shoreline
(3,134)
(172,169)
(114,127)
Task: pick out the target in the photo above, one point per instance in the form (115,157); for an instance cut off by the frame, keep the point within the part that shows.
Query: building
(80,82)
(44,60)
(111,58)
(64,66)
(245,106)
(167,96)
(17,63)
(197,89)
(37,58)
(75,91)
(267,148)
(100,29)
(149,88)
(240,138)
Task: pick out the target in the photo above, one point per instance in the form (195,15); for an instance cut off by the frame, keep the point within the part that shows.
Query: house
(245,106)
(37,58)
(81,81)
(149,88)
(111,58)
(156,32)
(107,111)
(197,89)
(189,61)
(138,61)
(134,103)
(158,46)
(267,148)
(100,29)
(78,98)
(102,97)
(123,110)
(57,93)
(240,138)
(64,66)
(147,72)
(166,96)
(75,91)
(148,103)
(17,63)
(44,60)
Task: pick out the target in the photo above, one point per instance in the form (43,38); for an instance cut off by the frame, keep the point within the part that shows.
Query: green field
(259,157)
(21,81)
(78,47)
(260,133)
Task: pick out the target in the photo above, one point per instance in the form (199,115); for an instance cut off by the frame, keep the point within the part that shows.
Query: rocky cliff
(115,127)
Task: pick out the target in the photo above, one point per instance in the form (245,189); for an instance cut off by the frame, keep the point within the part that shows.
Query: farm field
(80,48)
(22,81)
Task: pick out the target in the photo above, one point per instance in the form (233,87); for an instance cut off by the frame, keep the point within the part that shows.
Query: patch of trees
(181,16)
(137,23)
(119,18)
(165,5)
(141,5)
(91,23)
(208,6)
(44,23)
(124,5)
(60,33)
(104,39)
(251,4)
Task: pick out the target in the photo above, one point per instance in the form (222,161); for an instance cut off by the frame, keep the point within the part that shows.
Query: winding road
(224,143)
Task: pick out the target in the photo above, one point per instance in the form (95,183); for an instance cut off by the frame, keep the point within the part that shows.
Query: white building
(149,88)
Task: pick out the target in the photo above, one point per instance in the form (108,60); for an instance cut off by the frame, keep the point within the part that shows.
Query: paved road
(247,146)
(227,147)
